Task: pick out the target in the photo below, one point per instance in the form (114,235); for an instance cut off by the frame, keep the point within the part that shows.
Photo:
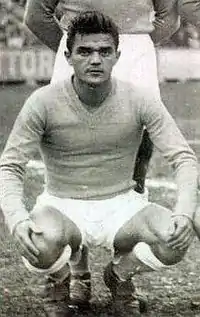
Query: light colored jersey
(132,17)
(190,11)
(90,155)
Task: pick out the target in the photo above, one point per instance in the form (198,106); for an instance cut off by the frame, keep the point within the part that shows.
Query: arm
(166,21)
(40,19)
(22,144)
(190,11)
(166,136)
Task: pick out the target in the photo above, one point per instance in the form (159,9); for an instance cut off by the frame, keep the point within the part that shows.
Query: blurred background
(13,33)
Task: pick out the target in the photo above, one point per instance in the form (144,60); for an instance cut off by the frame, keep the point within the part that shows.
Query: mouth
(95,71)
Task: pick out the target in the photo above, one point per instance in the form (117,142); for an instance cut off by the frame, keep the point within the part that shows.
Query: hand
(182,234)
(22,234)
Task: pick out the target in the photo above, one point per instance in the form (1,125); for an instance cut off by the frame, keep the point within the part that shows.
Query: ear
(68,57)
(118,53)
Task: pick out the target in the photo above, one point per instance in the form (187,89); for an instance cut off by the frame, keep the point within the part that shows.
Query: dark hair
(91,22)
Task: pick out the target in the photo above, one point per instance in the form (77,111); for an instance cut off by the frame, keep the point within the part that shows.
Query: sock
(58,271)
(79,266)
(140,259)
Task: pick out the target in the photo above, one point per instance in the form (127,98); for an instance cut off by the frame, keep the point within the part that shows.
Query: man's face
(93,57)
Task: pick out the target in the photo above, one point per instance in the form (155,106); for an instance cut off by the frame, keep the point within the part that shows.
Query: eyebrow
(91,48)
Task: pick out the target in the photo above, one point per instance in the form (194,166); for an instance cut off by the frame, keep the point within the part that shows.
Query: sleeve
(166,22)
(22,144)
(40,19)
(190,11)
(168,139)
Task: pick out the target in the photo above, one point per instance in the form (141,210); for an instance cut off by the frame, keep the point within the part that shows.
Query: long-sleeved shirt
(190,11)
(91,155)
(131,17)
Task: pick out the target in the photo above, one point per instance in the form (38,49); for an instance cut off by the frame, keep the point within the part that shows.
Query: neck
(90,95)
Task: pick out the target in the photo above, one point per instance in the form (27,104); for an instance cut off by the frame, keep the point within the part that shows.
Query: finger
(178,238)
(180,230)
(172,229)
(181,245)
(187,243)
(33,227)
(174,232)
(27,254)
(181,239)
(30,257)
(29,245)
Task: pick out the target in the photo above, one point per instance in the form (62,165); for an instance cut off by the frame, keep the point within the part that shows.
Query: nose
(95,58)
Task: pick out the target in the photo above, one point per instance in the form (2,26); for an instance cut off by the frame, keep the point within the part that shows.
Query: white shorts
(97,220)
(136,64)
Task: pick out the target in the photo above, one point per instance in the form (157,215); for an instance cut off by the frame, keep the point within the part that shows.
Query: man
(141,23)
(190,11)
(88,129)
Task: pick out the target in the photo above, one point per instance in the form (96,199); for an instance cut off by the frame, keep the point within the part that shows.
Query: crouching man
(88,129)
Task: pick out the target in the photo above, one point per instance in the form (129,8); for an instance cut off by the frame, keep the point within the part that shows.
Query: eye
(83,51)
(105,51)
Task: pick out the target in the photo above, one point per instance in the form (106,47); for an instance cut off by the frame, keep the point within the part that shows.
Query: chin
(96,82)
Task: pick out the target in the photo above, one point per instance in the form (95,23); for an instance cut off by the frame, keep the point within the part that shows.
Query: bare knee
(133,231)
(129,234)
(124,242)
(152,226)
(57,232)
(167,255)
(49,251)
(160,225)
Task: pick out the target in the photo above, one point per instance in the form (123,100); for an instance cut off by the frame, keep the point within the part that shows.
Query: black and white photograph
(99,158)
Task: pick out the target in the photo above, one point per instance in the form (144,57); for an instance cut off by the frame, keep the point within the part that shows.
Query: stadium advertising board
(25,64)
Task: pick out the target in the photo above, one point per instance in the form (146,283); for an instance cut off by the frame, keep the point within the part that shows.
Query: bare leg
(58,244)
(61,231)
(58,232)
(152,226)
(80,285)
(82,266)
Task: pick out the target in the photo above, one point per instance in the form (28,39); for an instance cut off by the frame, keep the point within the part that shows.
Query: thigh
(160,225)
(123,208)
(138,63)
(57,230)
(152,225)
